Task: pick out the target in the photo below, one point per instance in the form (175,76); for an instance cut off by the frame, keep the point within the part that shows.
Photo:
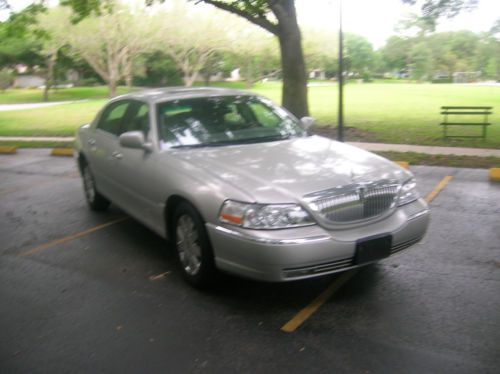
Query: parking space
(80,295)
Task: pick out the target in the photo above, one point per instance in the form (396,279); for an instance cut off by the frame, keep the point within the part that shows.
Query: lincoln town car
(238,184)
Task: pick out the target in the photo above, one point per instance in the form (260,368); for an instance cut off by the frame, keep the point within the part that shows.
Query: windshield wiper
(261,139)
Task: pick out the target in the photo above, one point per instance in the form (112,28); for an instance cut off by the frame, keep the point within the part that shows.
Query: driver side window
(137,119)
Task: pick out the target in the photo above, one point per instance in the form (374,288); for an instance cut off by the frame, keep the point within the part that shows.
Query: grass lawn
(390,113)
(58,120)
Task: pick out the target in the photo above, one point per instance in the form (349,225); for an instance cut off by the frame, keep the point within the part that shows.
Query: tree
(432,10)
(280,19)
(6,79)
(189,37)
(110,42)
(275,16)
(50,29)
(254,53)
(359,54)
(320,50)
(17,45)
(420,65)
(396,53)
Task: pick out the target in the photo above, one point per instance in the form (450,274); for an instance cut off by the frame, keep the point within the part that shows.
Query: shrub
(6,79)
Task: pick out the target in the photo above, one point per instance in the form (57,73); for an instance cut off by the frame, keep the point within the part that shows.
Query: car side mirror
(134,139)
(306,122)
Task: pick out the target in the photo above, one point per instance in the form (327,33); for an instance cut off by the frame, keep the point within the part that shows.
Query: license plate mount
(372,249)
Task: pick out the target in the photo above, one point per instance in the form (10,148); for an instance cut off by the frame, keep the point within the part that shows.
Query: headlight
(408,192)
(260,216)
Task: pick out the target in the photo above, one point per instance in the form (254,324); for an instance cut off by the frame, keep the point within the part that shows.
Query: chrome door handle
(117,155)
(91,141)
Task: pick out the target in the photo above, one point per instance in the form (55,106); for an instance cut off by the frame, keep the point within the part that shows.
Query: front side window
(138,119)
(223,120)
(112,118)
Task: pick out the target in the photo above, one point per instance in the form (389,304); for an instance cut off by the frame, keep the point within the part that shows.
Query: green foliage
(160,71)
(396,53)
(432,10)
(17,43)
(359,54)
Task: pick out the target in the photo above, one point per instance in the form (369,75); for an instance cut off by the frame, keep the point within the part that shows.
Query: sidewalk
(430,150)
(6,107)
(478,152)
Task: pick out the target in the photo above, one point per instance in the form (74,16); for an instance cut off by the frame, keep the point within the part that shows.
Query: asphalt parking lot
(88,292)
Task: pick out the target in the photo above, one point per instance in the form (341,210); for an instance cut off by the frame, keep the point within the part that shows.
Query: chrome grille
(356,202)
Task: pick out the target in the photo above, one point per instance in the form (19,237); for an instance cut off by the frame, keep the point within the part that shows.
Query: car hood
(285,171)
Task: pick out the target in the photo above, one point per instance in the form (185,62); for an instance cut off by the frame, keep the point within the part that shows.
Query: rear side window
(112,118)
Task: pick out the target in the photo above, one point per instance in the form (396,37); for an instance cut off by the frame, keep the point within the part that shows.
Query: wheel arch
(82,160)
(170,206)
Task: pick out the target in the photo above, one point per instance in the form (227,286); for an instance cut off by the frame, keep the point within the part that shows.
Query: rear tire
(95,200)
(193,248)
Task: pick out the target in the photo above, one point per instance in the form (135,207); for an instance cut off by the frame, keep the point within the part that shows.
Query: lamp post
(340,74)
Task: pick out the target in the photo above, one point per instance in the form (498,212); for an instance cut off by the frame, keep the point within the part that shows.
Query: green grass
(59,120)
(391,113)
(36,144)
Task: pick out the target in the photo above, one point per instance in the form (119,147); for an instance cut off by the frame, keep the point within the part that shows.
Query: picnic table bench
(483,111)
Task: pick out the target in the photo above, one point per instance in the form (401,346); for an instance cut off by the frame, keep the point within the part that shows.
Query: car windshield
(214,121)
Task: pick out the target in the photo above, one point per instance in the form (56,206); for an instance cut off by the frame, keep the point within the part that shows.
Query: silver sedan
(238,184)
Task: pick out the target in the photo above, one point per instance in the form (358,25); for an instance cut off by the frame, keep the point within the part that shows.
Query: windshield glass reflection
(223,120)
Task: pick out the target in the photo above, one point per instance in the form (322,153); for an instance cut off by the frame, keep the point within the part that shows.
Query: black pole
(340,74)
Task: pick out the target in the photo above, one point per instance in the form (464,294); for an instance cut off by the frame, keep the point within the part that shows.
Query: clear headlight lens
(408,192)
(260,216)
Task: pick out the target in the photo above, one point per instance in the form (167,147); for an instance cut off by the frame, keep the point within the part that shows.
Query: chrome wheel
(95,200)
(188,244)
(88,185)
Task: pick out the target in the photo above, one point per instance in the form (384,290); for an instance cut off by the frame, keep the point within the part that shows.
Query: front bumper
(305,252)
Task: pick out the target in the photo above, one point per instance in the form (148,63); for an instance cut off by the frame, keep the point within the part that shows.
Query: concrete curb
(62,152)
(403,164)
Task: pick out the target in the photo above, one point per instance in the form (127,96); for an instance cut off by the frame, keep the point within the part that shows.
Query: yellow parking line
(305,313)
(441,185)
(309,310)
(71,237)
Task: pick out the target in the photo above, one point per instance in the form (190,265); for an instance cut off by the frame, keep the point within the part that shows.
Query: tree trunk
(189,79)
(112,88)
(292,62)
(51,62)
(127,72)
(206,78)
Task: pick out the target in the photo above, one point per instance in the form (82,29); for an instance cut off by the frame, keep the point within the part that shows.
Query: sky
(376,19)
(373,19)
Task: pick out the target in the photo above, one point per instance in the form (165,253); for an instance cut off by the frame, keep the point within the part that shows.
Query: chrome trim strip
(310,239)
(419,214)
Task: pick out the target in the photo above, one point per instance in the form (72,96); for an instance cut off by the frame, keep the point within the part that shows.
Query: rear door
(104,149)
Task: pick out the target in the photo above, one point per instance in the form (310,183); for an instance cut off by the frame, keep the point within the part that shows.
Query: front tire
(95,200)
(193,248)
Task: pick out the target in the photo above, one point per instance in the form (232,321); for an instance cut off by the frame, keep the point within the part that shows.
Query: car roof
(175,93)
